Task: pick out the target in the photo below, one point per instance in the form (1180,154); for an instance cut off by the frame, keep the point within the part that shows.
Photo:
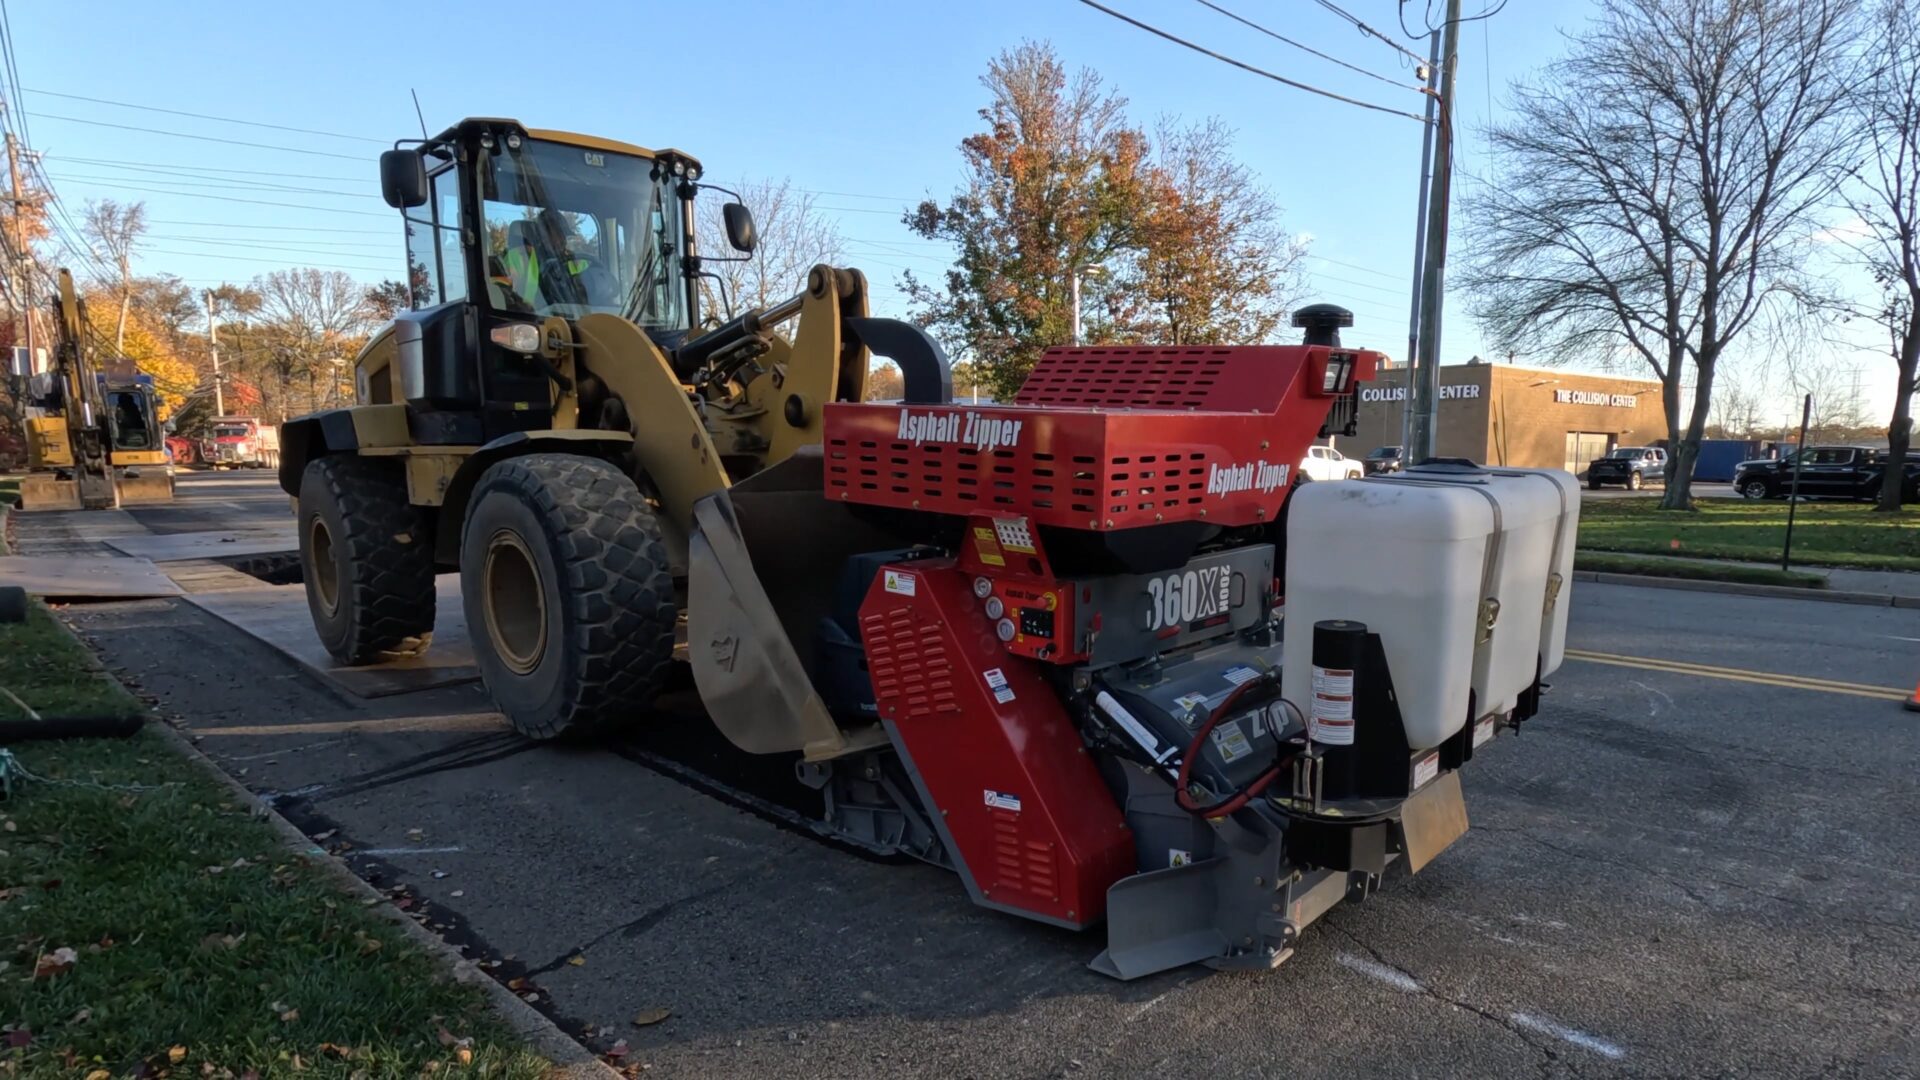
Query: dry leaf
(618,1050)
(518,982)
(54,963)
(99,1074)
(289,1016)
(577,960)
(328,835)
(176,1054)
(464,1055)
(369,946)
(649,1017)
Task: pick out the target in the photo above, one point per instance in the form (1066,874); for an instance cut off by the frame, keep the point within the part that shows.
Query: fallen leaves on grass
(57,962)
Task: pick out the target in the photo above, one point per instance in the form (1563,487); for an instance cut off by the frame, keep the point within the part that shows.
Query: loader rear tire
(366,559)
(568,594)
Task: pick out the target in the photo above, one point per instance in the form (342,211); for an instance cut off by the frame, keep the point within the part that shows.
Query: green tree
(1054,186)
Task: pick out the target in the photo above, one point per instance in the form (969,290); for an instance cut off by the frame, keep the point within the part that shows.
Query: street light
(1090,271)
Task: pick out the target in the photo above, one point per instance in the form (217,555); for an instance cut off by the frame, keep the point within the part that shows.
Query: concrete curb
(1735,588)
(570,1060)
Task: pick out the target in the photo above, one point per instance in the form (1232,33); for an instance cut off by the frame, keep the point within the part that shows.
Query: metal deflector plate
(1433,819)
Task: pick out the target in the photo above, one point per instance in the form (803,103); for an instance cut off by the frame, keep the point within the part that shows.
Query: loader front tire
(366,559)
(568,594)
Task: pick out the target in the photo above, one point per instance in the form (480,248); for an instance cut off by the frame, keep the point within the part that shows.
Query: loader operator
(540,266)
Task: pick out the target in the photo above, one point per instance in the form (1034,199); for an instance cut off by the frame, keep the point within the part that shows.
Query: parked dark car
(1828,472)
(1629,466)
(1384,459)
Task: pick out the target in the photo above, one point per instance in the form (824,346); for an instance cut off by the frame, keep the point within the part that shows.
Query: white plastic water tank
(1426,559)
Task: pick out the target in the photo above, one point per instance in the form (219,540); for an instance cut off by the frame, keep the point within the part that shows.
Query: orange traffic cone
(1912,704)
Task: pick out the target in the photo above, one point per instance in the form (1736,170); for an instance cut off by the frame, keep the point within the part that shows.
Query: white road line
(404,851)
(1373,969)
(1566,1034)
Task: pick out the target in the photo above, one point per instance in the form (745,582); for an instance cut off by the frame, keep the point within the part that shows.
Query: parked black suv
(1384,459)
(1829,472)
(1632,466)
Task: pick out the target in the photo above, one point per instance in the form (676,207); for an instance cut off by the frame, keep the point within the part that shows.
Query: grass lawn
(150,926)
(1607,562)
(1824,533)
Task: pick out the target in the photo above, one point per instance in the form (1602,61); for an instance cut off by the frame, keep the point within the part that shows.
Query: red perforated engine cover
(1107,438)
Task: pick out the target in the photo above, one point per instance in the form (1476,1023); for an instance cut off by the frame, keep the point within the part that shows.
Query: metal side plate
(1433,819)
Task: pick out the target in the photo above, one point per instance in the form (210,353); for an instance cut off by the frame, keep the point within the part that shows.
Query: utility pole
(1420,214)
(19,275)
(1423,382)
(213,345)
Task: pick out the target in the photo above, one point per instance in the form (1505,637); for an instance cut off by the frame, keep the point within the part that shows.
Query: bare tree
(1657,189)
(312,322)
(1739,407)
(116,227)
(793,236)
(1883,193)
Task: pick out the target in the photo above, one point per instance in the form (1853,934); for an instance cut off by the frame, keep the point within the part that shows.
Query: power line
(119,163)
(275,228)
(236,199)
(221,185)
(243,258)
(205,116)
(1368,30)
(1356,266)
(1359,284)
(206,138)
(267,244)
(1310,49)
(1203,50)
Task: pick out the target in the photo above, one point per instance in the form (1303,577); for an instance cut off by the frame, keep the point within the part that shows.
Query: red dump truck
(236,442)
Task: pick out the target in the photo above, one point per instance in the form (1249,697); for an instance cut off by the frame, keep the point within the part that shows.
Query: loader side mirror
(739,221)
(403,179)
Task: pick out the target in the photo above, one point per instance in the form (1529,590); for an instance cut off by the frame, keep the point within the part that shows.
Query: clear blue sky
(866,100)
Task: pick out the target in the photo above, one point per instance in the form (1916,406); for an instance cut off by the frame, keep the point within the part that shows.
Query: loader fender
(587,442)
(337,431)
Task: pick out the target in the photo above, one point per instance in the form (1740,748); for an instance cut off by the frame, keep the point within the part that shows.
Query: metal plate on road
(277,616)
(67,577)
(1433,819)
(175,547)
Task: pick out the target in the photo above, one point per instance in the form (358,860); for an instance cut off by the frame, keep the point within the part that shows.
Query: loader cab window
(436,265)
(570,231)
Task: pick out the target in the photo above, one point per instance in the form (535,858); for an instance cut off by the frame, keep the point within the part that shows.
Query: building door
(1583,447)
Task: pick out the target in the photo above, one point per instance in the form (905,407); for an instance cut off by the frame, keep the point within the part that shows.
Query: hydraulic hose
(1240,798)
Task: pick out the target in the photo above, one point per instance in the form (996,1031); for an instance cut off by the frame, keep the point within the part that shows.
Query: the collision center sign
(1399,393)
(1595,397)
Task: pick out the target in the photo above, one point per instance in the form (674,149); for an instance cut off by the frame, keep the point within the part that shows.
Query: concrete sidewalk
(1899,586)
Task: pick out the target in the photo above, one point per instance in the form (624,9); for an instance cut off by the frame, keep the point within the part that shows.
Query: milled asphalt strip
(1763,678)
(571,1060)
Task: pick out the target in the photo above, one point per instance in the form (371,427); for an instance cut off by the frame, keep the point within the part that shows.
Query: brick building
(1501,414)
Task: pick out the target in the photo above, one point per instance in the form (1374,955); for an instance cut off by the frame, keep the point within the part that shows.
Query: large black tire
(366,555)
(568,594)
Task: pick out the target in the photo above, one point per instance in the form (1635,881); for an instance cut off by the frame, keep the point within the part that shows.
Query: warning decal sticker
(898,581)
(1330,722)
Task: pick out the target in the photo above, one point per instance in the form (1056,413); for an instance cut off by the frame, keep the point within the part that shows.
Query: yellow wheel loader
(547,417)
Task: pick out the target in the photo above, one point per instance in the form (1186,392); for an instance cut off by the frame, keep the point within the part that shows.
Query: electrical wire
(1370,31)
(118,163)
(1203,50)
(203,116)
(232,199)
(1418,89)
(203,184)
(206,138)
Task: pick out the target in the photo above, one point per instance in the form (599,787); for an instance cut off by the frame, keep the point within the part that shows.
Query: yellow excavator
(92,443)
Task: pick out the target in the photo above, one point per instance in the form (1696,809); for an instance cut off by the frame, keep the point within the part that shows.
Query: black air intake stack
(1322,323)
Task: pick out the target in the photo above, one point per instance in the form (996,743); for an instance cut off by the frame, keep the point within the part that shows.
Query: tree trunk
(126,302)
(1680,462)
(1899,437)
(1670,408)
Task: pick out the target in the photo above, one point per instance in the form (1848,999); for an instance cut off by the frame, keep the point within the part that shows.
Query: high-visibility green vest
(524,271)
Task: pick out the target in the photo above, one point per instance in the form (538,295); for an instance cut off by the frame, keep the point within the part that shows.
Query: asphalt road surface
(1698,860)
